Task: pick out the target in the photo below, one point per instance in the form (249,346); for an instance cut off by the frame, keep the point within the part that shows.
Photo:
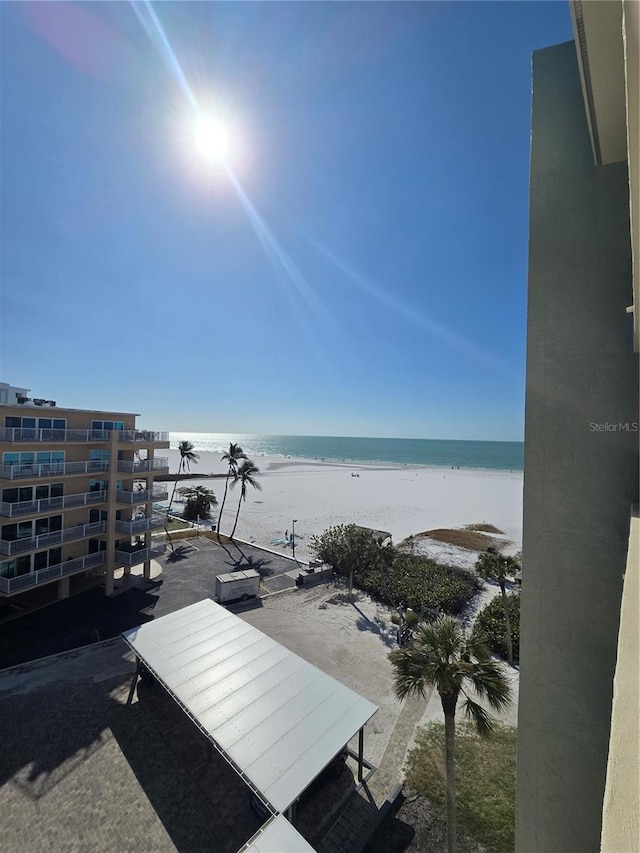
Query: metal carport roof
(278,836)
(277,718)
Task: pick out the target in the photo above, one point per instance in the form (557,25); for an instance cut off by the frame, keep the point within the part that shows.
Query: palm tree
(491,565)
(245,476)
(232,457)
(199,501)
(442,657)
(187,456)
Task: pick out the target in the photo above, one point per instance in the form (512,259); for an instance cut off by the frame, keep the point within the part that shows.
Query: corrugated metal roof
(279,837)
(278,718)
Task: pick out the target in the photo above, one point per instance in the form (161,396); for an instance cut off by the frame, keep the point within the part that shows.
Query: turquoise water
(493,455)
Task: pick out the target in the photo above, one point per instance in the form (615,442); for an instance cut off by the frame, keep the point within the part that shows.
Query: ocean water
(492,455)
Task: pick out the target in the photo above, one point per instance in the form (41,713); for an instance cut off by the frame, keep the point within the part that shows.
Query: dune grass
(472,540)
(485,781)
(483,527)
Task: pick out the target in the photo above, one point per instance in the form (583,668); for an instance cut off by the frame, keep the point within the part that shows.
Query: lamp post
(293,537)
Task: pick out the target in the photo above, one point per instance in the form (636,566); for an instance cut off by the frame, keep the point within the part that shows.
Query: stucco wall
(579,480)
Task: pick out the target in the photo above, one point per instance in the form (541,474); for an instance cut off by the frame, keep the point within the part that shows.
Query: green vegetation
(495,566)
(198,502)
(442,657)
(392,575)
(187,456)
(490,621)
(486,774)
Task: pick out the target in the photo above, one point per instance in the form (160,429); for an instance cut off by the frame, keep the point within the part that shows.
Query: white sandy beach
(398,499)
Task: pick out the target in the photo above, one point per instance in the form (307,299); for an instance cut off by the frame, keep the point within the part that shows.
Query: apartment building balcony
(31,470)
(158,493)
(139,555)
(143,436)
(11,547)
(52,436)
(140,525)
(20,508)
(143,466)
(9,586)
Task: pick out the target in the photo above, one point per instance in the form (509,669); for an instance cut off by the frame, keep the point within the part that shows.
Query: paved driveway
(188,575)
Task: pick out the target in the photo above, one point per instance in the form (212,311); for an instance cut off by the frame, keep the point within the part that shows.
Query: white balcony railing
(19,508)
(140,466)
(8,586)
(158,493)
(139,555)
(27,471)
(140,525)
(52,436)
(142,436)
(48,540)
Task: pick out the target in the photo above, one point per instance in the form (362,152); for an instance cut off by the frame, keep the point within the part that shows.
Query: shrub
(490,622)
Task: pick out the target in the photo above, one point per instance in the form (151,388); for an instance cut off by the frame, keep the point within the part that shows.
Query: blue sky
(379,285)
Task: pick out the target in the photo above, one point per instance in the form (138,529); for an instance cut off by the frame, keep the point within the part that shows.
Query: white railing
(142,495)
(140,525)
(139,466)
(140,555)
(12,510)
(10,585)
(53,435)
(47,540)
(24,471)
(142,436)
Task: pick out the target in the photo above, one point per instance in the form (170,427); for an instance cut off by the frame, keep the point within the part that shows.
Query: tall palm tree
(232,457)
(491,565)
(187,456)
(245,476)
(442,657)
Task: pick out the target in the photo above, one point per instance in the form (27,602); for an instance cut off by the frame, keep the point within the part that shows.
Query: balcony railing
(139,555)
(142,436)
(158,493)
(140,466)
(140,525)
(27,471)
(13,510)
(8,586)
(52,435)
(48,540)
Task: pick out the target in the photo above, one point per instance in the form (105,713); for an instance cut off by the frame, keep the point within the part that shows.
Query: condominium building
(77,496)
(578,768)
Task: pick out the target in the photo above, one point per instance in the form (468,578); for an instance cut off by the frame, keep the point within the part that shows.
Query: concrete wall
(579,481)
(621,813)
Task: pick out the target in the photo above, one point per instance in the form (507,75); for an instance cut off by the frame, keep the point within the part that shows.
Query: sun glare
(212,140)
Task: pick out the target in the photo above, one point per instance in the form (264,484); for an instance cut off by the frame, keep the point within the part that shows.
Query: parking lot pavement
(188,575)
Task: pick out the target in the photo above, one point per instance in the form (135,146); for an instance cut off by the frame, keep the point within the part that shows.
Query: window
(34,527)
(31,493)
(32,423)
(30,562)
(13,568)
(99,455)
(97,515)
(107,425)
(96,545)
(98,485)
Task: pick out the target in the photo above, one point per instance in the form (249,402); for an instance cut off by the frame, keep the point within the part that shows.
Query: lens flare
(212,139)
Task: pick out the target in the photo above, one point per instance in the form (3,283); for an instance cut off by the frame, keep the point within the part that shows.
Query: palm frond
(489,682)
(483,721)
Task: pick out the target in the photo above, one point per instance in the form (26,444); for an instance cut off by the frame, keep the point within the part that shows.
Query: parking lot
(83,771)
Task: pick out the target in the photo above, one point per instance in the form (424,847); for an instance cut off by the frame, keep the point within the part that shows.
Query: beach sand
(401,500)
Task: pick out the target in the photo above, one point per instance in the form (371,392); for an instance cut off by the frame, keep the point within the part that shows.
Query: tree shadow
(178,554)
(376,626)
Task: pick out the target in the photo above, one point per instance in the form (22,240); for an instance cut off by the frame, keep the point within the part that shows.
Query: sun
(212,139)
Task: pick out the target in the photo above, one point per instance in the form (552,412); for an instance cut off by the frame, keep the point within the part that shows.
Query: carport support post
(135,680)
(360,752)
